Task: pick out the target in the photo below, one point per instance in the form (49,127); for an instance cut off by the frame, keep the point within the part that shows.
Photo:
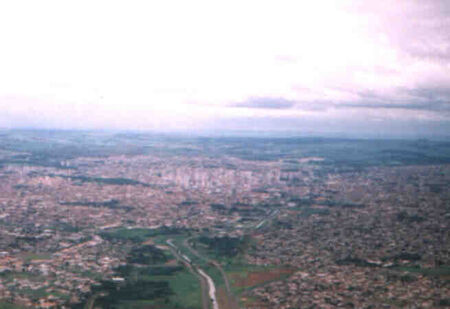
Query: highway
(232,302)
(207,284)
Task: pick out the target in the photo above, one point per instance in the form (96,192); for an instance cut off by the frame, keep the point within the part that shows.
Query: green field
(176,287)
(36,256)
(5,305)
(186,293)
(138,235)
(442,271)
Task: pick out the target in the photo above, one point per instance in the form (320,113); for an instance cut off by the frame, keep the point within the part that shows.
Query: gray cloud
(266,103)
(431,93)
(431,106)
(433,99)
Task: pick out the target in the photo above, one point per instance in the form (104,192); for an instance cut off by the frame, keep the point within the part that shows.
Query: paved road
(204,283)
(211,288)
(232,302)
(269,216)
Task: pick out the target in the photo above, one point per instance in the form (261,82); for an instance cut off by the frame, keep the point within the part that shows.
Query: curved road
(206,283)
(211,289)
(233,304)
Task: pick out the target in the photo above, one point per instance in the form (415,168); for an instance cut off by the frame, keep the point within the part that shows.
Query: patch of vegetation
(355,261)
(188,203)
(133,271)
(341,204)
(35,294)
(306,212)
(404,278)
(223,246)
(407,256)
(170,287)
(130,290)
(290,169)
(103,180)
(36,256)
(112,204)
(219,207)
(138,235)
(93,275)
(65,227)
(403,216)
(309,201)
(6,305)
(442,271)
(147,254)
(20,186)
(437,187)
(301,202)
(187,291)
(282,224)
(246,210)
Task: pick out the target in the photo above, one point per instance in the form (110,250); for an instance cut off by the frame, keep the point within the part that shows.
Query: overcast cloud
(310,66)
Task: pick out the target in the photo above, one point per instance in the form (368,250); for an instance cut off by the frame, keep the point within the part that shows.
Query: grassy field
(30,256)
(187,290)
(139,235)
(5,305)
(186,293)
(244,276)
(443,271)
(9,276)
(183,290)
(184,286)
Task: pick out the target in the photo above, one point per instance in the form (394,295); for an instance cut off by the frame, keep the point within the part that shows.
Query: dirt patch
(171,262)
(254,304)
(149,242)
(223,299)
(259,277)
(162,247)
(226,301)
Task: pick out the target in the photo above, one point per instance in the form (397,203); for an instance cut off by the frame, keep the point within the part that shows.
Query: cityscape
(171,223)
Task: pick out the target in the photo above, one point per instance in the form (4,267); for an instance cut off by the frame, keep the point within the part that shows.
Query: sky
(375,68)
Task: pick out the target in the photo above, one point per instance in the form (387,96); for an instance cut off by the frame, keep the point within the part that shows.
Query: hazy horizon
(239,134)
